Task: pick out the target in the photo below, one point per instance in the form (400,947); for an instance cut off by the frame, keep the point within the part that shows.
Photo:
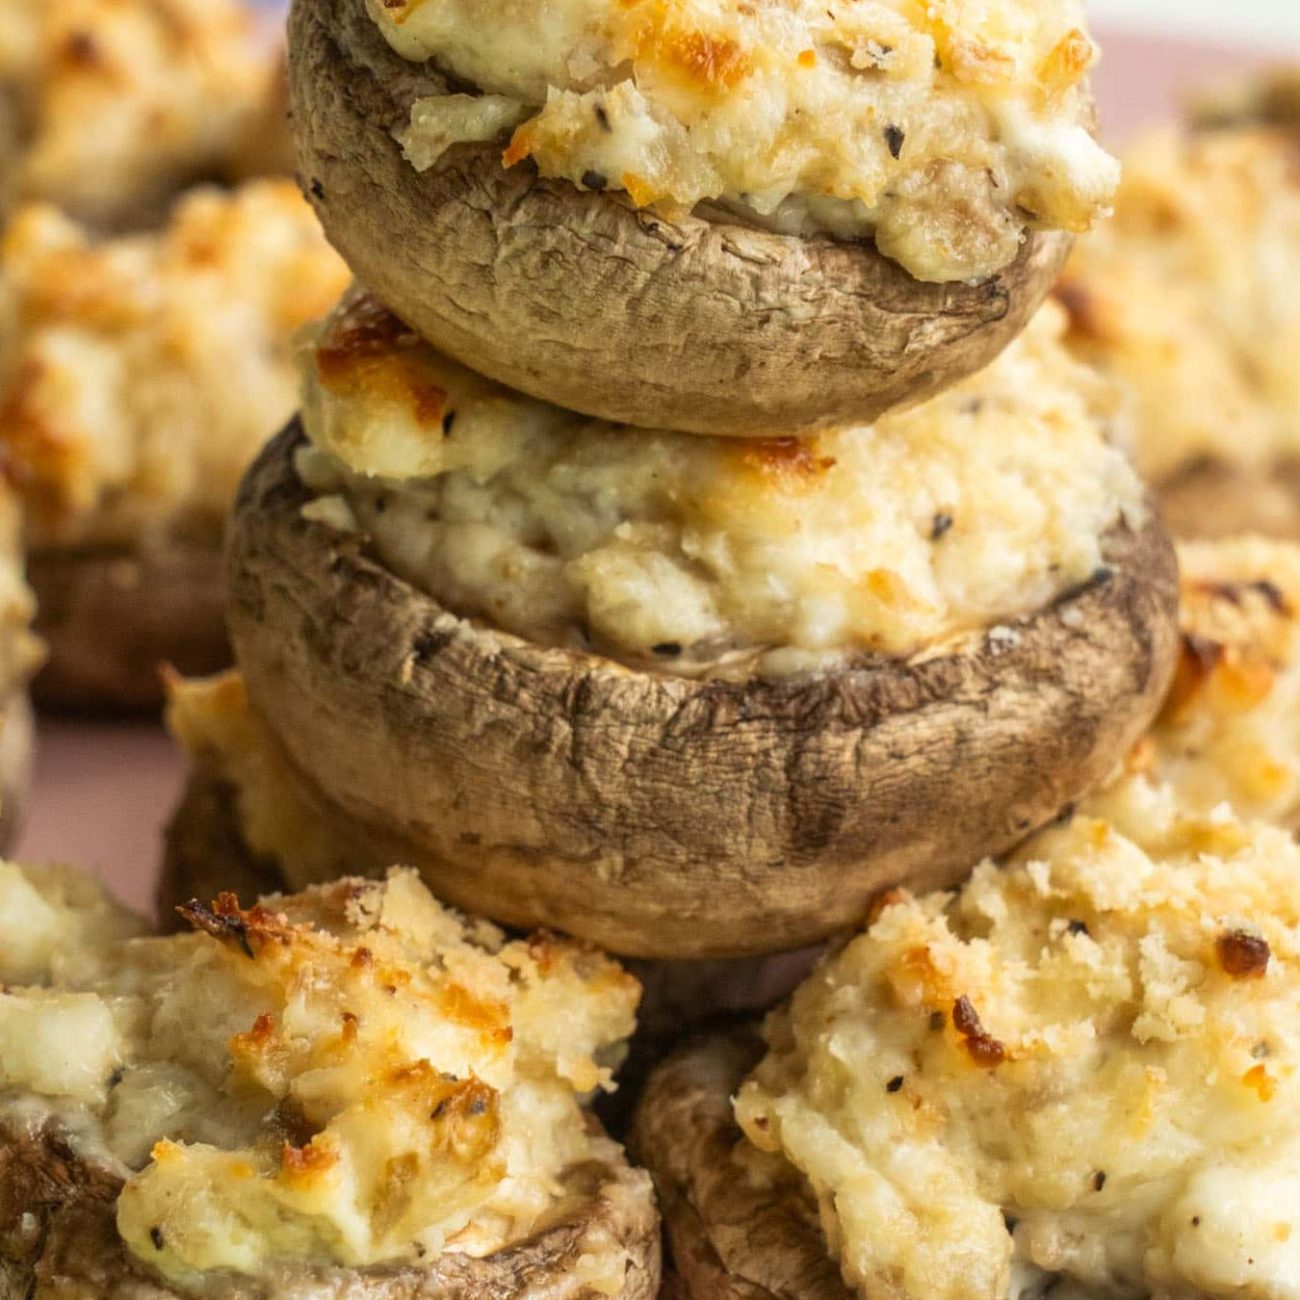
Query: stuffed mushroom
(1072,1077)
(1186,299)
(139,376)
(733,220)
(348,1092)
(108,110)
(611,680)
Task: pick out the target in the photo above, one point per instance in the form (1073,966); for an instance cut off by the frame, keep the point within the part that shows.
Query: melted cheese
(712,555)
(117,102)
(1083,1069)
(353,1075)
(139,375)
(941,130)
(1187,297)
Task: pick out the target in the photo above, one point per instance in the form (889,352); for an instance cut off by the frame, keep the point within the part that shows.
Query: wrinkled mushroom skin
(702,325)
(728,1238)
(58,1239)
(17,742)
(111,619)
(661,816)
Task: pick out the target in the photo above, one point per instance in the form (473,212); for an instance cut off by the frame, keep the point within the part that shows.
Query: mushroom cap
(112,617)
(699,323)
(729,1237)
(662,816)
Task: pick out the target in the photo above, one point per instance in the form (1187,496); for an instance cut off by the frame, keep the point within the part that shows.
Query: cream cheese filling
(942,131)
(698,555)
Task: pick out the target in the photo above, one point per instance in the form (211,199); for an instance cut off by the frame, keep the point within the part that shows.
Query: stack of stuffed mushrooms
(698,537)
(694,526)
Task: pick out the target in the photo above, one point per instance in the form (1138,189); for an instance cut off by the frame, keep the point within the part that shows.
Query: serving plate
(103,790)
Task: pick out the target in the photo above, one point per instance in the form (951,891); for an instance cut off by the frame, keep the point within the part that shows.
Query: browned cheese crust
(691,323)
(731,1235)
(661,816)
(58,1239)
(113,617)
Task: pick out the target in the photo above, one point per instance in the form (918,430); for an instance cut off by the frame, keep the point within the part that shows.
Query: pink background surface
(104,790)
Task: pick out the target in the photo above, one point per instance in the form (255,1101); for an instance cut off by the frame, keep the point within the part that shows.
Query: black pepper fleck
(894,1084)
(1078,927)
(1099,1180)
(317,190)
(894,138)
(668,649)
(156,1236)
(448,419)
(940,525)
(593,180)
(603,118)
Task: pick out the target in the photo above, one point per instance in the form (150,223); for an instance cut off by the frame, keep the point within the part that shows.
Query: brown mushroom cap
(700,323)
(730,1237)
(112,618)
(1214,499)
(663,816)
(58,1236)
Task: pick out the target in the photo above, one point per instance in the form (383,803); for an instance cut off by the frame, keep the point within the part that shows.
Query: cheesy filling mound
(139,375)
(1187,297)
(1081,1072)
(113,104)
(354,1075)
(716,555)
(943,131)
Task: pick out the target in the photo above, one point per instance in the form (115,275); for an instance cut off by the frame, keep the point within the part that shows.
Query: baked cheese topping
(1186,297)
(115,103)
(139,375)
(696,554)
(1230,728)
(1078,1075)
(354,1075)
(942,130)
